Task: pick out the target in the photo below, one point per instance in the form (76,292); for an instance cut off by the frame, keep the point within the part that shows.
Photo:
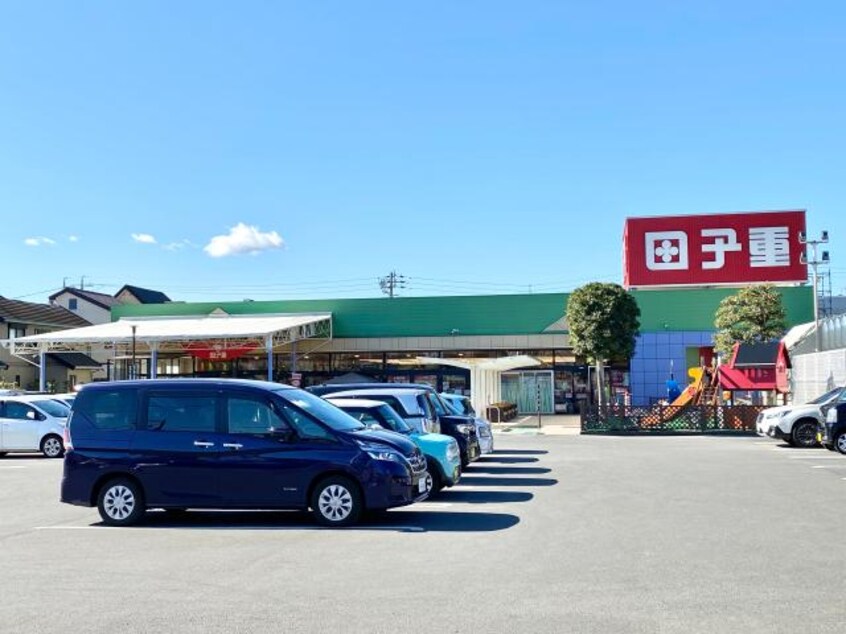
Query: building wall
(815,373)
(657,355)
(85,309)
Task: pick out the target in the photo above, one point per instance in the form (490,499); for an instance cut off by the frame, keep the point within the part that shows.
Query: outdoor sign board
(216,351)
(714,249)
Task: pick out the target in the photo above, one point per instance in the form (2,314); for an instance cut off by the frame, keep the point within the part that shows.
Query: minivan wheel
(805,434)
(120,503)
(336,501)
(840,442)
(52,446)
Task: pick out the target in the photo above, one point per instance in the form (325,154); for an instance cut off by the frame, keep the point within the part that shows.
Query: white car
(798,424)
(32,423)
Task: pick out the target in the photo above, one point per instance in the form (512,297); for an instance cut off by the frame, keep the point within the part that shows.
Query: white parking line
(829,466)
(432,505)
(13,467)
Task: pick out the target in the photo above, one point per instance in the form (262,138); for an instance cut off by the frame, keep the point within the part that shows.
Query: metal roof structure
(174,333)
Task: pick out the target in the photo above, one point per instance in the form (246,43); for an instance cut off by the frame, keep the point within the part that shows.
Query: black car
(833,436)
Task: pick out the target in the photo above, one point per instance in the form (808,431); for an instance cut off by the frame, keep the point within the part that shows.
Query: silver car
(461,405)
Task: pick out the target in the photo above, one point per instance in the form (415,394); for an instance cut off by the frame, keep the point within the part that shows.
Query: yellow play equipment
(703,391)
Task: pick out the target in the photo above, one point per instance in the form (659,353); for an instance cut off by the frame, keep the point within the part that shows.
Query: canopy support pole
(268,346)
(154,361)
(42,369)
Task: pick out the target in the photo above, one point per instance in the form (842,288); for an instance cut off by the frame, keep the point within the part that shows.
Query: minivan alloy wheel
(335,503)
(840,443)
(119,502)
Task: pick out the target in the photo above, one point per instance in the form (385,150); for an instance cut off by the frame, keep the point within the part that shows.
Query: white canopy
(485,375)
(154,330)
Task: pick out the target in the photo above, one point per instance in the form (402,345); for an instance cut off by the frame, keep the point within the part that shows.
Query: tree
(604,320)
(754,314)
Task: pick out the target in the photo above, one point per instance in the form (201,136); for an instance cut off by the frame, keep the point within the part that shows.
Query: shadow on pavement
(494,481)
(476,468)
(520,452)
(506,460)
(395,521)
(483,497)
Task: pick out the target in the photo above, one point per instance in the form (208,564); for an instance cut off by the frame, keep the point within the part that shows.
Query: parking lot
(549,534)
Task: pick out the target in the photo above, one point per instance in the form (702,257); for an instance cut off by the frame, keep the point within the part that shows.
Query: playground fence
(669,419)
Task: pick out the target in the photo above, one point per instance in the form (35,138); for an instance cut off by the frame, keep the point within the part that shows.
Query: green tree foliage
(604,320)
(754,314)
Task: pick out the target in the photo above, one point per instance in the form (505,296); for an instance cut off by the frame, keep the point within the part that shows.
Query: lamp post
(132,369)
(814,262)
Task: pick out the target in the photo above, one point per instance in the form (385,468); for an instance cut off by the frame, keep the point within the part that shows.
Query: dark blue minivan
(230,444)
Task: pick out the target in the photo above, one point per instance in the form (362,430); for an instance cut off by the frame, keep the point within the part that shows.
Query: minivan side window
(252,416)
(112,410)
(174,411)
(306,427)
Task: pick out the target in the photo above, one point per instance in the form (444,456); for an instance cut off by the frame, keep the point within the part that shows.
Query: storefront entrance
(531,391)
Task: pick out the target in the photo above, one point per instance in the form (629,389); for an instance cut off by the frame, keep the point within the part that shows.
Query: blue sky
(472,146)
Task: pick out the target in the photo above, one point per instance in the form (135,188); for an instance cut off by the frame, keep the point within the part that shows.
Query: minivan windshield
(325,412)
(826,397)
(54,408)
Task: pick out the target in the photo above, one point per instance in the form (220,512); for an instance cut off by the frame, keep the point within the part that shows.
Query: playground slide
(691,393)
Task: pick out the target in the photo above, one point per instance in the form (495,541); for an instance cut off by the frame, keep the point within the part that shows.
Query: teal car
(443,459)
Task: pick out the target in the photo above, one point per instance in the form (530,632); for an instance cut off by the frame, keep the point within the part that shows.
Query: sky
(270,150)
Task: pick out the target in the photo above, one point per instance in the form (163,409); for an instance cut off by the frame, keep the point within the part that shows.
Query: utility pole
(815,262)
(391,283)
(82,283)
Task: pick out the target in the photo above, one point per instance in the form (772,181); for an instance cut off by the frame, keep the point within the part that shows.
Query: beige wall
(85,309)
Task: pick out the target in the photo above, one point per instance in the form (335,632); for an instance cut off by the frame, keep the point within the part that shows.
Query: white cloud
(143,238)
(73,238)
(179,245)
(243,238)
(39,241)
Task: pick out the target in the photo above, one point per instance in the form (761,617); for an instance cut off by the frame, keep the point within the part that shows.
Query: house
(94,307)
(136,295)
(97,307)
(19,319)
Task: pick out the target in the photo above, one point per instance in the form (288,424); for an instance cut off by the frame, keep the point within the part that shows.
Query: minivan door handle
(203,443)
(233,445)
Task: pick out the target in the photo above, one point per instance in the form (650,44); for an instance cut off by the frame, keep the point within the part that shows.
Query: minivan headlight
(464,429)
(387,456)
(452,450)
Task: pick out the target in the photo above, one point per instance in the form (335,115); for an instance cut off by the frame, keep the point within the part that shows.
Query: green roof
(662,310)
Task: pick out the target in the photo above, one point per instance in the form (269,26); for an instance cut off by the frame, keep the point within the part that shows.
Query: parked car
(65,399)
(797,424)
(425,412)
(231,444)
(833,434)
(443,458)
(461,405)
(32,423)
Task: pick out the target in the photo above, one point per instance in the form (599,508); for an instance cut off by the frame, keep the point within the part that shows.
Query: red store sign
(732,248)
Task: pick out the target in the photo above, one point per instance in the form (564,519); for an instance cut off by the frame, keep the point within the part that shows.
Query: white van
(32,423)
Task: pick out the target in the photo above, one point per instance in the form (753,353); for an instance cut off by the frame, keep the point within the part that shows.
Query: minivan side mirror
(283,434)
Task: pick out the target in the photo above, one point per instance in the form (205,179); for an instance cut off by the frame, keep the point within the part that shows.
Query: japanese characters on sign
(734,248)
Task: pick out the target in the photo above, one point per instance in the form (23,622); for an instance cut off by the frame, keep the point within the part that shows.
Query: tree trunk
(600,384)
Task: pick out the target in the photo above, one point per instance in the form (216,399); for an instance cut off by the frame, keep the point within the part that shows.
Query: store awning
(496,364)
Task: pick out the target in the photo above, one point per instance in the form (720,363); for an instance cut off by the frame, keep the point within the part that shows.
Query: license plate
(421,485)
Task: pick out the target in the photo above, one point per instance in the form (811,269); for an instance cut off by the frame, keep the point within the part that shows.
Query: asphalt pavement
(550,534)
